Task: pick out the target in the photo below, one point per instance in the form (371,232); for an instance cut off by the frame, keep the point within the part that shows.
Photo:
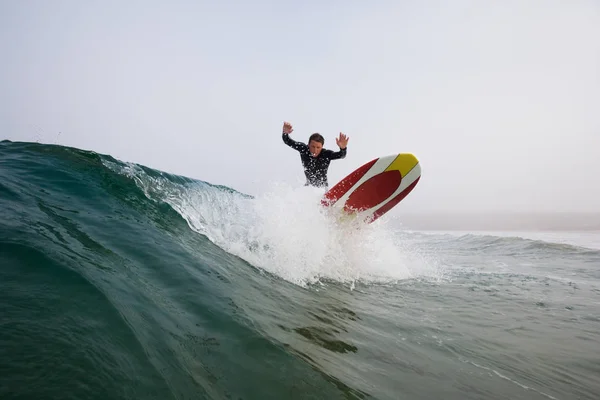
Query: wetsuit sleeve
(292,143)
(337,155)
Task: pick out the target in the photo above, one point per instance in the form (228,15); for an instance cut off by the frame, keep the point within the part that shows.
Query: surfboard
(374,188)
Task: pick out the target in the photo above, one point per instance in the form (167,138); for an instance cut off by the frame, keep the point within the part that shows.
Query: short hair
(317,138)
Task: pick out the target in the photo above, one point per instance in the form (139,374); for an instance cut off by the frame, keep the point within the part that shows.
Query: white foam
(286,232)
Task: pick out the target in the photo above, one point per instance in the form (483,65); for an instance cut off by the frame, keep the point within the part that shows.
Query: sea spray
(285,231)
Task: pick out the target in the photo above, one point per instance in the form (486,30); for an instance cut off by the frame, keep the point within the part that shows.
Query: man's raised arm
(285,135)
(342,142)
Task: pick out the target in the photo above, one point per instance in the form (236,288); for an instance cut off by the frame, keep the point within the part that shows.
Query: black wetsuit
(315,168)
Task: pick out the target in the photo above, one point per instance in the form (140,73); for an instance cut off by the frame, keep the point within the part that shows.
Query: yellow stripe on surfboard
(403,163)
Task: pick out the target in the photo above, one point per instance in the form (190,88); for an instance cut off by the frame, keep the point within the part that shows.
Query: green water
(122,282)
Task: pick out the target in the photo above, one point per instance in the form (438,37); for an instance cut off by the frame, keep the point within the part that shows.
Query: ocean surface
(118,281)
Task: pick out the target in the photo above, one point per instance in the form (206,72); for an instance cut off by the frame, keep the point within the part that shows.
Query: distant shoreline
(495,221)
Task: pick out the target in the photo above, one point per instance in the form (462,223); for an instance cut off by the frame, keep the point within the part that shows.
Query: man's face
(315,147)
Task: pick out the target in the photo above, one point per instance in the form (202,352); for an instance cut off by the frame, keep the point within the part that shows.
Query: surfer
(315,159)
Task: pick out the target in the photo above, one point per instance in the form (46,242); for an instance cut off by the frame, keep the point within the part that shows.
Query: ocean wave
(136,283)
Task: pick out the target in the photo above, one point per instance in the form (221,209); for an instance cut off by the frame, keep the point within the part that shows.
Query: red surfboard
(376,187)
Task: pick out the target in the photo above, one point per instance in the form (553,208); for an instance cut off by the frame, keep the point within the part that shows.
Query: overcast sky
(499,100)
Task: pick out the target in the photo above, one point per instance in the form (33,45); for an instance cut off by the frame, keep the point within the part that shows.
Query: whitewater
(121,281)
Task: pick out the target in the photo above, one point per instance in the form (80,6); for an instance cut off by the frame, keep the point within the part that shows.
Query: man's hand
(342,141)
(287,128)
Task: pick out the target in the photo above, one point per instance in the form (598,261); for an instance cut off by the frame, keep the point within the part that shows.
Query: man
(315,159)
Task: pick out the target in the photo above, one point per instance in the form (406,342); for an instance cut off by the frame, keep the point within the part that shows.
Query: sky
(499,100)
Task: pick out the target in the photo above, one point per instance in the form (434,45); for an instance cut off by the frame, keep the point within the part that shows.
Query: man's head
(315,144)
